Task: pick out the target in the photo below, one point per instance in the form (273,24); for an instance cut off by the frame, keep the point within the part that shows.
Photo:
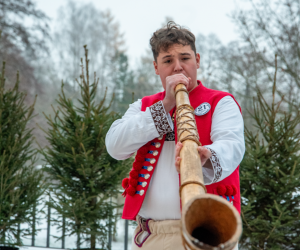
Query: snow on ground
(115,246)
(70,242)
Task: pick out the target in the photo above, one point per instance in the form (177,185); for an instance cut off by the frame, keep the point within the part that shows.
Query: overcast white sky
(138,19)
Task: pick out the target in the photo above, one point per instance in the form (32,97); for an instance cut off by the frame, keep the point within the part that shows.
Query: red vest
(147,156)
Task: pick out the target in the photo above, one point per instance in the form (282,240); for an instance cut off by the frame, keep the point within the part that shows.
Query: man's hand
(205,154)
(171,82)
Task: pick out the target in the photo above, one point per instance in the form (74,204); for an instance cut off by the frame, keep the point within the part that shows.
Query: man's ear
(198,60)
(155,68)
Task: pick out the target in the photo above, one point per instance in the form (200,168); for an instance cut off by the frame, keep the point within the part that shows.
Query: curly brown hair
(172,33)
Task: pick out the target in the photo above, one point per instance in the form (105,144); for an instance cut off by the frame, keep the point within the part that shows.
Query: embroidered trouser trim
(158,235)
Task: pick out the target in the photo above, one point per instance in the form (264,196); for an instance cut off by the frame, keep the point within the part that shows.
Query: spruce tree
(84,176)
(270,174)
(21,184)
(125,84)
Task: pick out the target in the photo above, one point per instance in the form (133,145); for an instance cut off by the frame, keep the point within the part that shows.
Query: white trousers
(158,235)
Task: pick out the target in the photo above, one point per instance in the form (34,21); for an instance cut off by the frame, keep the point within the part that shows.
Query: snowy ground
(36,248)
(115,246)
(70,242)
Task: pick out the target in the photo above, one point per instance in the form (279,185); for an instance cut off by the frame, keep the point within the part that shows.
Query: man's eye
(186,58)
(168,61)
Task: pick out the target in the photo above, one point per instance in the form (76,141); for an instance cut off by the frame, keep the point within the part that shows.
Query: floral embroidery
(170,136)
(160,118)
(216,165)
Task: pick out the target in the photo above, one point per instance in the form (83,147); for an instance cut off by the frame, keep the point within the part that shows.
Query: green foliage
(21,184)
(125,84)
(270,175)
(132,85)
(84,176)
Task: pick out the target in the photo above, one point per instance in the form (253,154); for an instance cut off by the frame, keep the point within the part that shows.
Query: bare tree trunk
(93,228)
(78,238)
(93,241)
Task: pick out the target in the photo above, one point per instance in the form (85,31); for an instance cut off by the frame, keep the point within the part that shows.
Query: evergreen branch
(283,174)
(36,141)
(111,101)
(274,83)
(293,171)
(279,104)
(63,114)
(31,109)
(244,218)
(276,205)
(2,81)
(82,131)
(51,123)
(41,127)
(56,112)
(57,115)
(95,85)
(102,102)
(99,134)
(16,87)
(62,90)
(87,89)
(74,155)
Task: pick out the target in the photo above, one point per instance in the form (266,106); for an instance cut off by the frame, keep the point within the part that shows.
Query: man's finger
(190,80)
(177,157)
(177,149)
(180,78)
(204,151)
(187,82)
(177,164)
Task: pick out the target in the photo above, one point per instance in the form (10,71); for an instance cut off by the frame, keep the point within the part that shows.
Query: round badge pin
(202,109)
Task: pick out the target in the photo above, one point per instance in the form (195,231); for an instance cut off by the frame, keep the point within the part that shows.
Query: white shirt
(136,128)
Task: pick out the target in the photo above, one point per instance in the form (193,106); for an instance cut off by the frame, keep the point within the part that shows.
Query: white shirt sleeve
(228,147)
(135,129)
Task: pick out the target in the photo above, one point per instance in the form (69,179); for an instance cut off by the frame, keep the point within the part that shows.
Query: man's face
(178,59)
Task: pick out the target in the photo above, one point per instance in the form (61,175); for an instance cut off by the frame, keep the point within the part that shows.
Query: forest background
(242,67)
(46,58)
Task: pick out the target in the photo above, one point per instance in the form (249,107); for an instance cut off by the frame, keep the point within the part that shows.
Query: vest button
(147,176)
(141,192)
(160,138)
(155,153)
(152,161)
(143,184)
(157,145)
(150,168)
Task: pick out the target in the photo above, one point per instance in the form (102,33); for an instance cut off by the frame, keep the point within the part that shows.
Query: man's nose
(177,66)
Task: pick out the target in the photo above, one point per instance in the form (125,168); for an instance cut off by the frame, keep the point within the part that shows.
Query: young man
(147,128)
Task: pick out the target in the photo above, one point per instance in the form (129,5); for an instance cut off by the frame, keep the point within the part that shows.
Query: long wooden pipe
(208,221)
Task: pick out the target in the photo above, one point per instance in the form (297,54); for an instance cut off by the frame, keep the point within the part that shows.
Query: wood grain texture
(208,221)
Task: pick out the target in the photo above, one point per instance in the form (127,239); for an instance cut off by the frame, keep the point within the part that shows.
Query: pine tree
(125,84)
(270,175)
(84,176)
(134,84)
(21,184)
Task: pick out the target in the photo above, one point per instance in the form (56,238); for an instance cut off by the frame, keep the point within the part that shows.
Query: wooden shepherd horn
(208,221)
